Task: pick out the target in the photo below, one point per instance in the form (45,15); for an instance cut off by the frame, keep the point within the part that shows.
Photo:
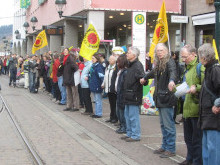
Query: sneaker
(119,131)
(132,140)
(114,121)
(86,113)
(159,151)
(186,162)
(67,109)
(117,124)
(167,154)
(57,102)
(96,116)
(74,109)
(109,120)
(124,137)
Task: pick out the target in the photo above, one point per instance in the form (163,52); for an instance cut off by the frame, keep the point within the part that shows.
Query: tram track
(33,154)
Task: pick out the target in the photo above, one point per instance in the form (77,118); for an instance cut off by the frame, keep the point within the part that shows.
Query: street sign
(179,19)
(139,34)
(54,31)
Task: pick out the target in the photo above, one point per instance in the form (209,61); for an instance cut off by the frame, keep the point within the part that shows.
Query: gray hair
(135,50)
(160,64)
(189,48)
(207,52)
(164,46)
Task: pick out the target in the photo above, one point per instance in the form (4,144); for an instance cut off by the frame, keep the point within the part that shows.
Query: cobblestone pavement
(69,138)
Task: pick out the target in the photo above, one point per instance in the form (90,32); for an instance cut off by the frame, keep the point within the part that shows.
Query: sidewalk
(71,138)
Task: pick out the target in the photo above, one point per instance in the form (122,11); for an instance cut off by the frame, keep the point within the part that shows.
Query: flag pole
(169,43)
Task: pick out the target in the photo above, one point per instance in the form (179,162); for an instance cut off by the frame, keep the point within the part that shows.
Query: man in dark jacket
(13,62)
(209,116)
(70,67)
(164,74)
(133,92)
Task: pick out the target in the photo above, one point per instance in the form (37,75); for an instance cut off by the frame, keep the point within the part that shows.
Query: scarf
(65,58)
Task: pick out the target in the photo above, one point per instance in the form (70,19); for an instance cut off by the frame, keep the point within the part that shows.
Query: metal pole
(217,24)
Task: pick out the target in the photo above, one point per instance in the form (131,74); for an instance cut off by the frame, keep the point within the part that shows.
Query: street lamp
(34,21)
(26,26)
(217,24)
(16,32)
(60,4)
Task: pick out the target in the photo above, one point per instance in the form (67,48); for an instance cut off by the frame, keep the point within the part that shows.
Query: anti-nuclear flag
(40,42)
(90,44)
(160,31)
(216,51)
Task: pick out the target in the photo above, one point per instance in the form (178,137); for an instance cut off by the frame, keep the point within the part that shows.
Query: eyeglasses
(184,57)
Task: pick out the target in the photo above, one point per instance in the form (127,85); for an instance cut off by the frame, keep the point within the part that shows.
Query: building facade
(112,20)
(201,26)
(19,41)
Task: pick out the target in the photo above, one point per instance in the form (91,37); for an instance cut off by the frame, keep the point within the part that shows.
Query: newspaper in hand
(181,90)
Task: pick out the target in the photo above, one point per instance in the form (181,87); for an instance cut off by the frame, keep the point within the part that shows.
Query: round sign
(139,19)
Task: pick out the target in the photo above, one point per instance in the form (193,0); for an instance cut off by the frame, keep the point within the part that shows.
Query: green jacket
(191,103)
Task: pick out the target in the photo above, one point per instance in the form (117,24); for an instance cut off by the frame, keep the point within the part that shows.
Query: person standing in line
(56,65)
(192,134)
(209,109)
(106,86)
(60,81)
(116,52)
(13,62)
(179,73)
(85,87)
(32,65)
(26,69)
(70,67)
(133,93)
(95,81)
(122,64)
(164,74)
(81,66)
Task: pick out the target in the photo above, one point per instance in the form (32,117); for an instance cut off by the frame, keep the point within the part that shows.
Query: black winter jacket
(114,76)
(120,88)
(207,119)
(70,68)
(133,90)
(163,98)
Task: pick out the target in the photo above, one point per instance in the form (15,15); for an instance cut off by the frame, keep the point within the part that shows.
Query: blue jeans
(98,103)
(211,147)
(121,118)
(132,119)
(168,129)
(193,140)
(32,77)
(62,90)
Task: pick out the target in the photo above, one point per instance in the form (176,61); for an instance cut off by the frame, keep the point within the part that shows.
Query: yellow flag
(70,48)
(90,44)
(160,31)
(216,51)
(40,42)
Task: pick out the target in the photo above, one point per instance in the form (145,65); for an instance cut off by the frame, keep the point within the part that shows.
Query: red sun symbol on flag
(158,31)
(37,42)
(92,38)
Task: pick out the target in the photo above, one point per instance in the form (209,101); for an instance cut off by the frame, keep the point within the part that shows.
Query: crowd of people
(70,79)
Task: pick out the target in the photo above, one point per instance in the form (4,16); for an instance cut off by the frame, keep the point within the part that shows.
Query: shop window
(204,34)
